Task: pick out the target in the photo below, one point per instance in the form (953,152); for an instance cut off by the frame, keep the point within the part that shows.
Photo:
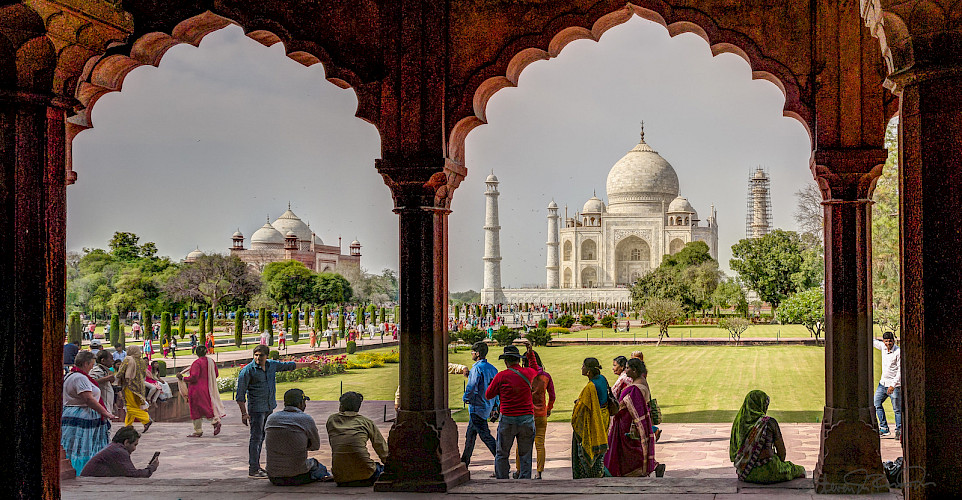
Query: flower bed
(328,365)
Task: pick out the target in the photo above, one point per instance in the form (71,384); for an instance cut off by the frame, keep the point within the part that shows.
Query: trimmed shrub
(239,326)
(505,336)
(558,330)
(210,321)
(147,323)
(566,321)
(114,329)
(538,336)
(75,330)
(542,323)
(324,312)
(340,322)
(229,384)
(296,326)
(201,327)
(472,335)
(351,347)
(275,355)
(260,319)
(183,324)
(587,319)
(607,321)
(161,366)
(165,326)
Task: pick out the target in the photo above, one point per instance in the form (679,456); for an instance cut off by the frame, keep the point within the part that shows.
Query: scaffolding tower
(758,217)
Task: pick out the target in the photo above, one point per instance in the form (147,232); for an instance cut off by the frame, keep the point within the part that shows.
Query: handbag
(655,411)
(612,404)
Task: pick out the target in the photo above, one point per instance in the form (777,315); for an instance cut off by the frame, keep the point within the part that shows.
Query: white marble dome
(238,234)
(290,223)
(680,204)
(267,235)
(552,205)
(594,205)
(641,177)
(194,255)
(491,178)
(355,243)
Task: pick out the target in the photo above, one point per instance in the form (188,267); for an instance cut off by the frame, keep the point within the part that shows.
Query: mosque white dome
(594,205)
(642,176)
(680,204)
(267,235)
(194,255)
(290,223)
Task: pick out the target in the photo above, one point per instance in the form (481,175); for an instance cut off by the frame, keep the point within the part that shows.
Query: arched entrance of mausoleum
(817,52)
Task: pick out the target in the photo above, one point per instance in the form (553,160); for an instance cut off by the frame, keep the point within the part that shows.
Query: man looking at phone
(114,460)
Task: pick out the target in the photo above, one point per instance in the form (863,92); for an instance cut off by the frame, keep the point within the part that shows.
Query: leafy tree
(471,336)
(886,302)
(809,214)
(214,279)
(735,326)
(772,266)
(505,336)
(468,297)
(587,320)
(806,308)
(239,326)
(662,312)
(124,246)
(701,281)
(692,254)
(296,326)
(538,336)
(608,321)
(566,321)
(730,294)
(288,282)
(331,288)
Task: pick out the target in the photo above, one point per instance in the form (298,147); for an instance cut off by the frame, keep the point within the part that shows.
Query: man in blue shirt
(481,375)
(256,380)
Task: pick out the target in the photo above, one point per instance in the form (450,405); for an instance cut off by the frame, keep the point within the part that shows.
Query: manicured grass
(696,331)
(691,383)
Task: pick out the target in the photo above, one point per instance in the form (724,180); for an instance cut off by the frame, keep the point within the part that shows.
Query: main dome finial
(643,131)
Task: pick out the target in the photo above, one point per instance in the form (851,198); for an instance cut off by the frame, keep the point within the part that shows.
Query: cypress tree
(165,326)
(114,329)
(340,321)
(146,322)
(325,311)
(457,313)
(260,320)
(183,323)
(239,326)
(75,330)
(296,326)
(397,314)
(383,315)
(373,312)
(210,321)
(202,328)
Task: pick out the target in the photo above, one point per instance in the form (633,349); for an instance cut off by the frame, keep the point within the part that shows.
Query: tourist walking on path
(104,377)
(85,421)
(756,446)
(890,385)
(479,407)
(631,441)
(132,374)
(256,389)
(618,366)
(203,398)
(589,422)
(348,433)
(542,397)
(513,386)
(289,435)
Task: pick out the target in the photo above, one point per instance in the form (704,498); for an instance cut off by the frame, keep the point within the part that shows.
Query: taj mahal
(596,255)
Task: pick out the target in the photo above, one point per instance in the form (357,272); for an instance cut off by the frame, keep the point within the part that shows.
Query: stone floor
(216,467)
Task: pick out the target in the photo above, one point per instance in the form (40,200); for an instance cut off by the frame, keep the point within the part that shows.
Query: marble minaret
(553,249)
(491,292)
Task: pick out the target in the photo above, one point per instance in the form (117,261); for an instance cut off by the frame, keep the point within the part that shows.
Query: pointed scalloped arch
(106,73)
(726,41)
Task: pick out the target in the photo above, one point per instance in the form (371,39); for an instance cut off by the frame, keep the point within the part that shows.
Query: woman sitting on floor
(757,448)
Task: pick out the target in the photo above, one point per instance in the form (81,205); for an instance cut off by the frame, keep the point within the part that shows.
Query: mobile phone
(156,454)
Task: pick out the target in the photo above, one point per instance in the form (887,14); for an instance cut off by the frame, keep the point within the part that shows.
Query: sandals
(195,435)
(147,426)
(217,428)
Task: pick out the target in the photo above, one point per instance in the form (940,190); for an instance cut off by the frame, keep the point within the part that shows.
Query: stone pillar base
(850,459)
(423,454)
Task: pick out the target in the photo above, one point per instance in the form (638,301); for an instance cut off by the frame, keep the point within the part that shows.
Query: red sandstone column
(423,442)
(930,171)
(32,283)
(849,459)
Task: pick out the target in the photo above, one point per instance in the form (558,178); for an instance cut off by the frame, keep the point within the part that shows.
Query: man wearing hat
(289,435)
(482,373)
(95,347)
(513,386)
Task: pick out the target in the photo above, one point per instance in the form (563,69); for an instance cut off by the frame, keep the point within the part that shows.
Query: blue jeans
(257,421)
(521,427)
(880,394)
(477,427)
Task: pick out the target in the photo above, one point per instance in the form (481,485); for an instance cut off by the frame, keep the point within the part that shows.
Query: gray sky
(221,136)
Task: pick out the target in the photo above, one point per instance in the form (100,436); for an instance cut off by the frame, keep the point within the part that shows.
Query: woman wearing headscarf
(203,397)
(756,447)
(631,441)
(131,374)
(618,368)
(85,422)
(589,422)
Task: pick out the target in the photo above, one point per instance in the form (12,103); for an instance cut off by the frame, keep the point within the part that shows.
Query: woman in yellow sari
(589,422)
(131,375)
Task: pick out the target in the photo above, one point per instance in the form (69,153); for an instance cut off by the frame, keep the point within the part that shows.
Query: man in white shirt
(890,384)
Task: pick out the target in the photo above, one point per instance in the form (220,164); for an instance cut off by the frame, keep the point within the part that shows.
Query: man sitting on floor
(114,460)
(289,435)
(349,433)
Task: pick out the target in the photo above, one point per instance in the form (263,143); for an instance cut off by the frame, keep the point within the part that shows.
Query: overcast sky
(222,136)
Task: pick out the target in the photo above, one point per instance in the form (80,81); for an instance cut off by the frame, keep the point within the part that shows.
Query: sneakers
(260,474)
(884,432)
(657,435)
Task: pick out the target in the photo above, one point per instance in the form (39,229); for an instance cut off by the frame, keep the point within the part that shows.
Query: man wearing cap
(95,347)
(513,386)
(289,435)
(482,373)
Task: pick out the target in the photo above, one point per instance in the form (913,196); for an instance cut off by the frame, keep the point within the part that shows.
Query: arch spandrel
(773,38)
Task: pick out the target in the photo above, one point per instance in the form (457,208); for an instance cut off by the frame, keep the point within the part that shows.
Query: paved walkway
(216,467)
(243,356)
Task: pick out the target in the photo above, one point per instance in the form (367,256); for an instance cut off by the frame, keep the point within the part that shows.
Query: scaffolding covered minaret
(758,218)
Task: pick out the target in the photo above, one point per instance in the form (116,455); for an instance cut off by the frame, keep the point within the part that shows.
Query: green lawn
(696,331)
(691,383)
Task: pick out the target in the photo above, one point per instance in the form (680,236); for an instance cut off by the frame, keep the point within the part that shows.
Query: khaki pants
(540,426)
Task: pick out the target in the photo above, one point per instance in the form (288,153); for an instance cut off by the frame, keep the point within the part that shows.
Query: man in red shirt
(513,386)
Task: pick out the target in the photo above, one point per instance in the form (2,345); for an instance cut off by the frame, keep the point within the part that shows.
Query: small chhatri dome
(290,234)
(491,178)
(642,176)
(680,204)
(238,234)
(760,174)
(267,235)
(552,205)
(355,243)
(594,205)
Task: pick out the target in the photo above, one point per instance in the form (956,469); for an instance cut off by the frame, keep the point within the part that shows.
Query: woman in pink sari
(631,442)
(203,397)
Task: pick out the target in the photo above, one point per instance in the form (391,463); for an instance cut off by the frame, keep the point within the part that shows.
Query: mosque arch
(675,246)
(589,277)
(567,250)
(632,260)
(589,250)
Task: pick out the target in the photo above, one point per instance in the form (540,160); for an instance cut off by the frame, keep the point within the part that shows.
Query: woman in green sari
(757,448)
(589,422)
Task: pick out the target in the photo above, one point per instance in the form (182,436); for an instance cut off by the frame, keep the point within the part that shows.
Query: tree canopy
(288,282)
(885,239)
(689,277)
(214,279)
(806,308)
(773,266)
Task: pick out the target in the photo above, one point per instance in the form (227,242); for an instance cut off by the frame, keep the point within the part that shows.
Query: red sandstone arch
(514,58)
